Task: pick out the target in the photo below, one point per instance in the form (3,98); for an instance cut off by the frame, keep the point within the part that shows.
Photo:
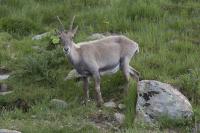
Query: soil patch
(3,71)
(104,121)
(19,103)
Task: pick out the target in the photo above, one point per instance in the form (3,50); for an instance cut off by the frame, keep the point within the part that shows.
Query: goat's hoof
(84,102)
(99,104)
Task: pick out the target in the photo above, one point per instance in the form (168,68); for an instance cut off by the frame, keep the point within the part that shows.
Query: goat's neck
(74,55)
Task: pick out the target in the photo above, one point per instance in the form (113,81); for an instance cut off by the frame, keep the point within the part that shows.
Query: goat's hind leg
(99,98)
(125,69)
(85,89)
(134,73)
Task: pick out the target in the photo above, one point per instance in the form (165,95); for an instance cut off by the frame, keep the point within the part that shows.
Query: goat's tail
(137,50)
(134,74)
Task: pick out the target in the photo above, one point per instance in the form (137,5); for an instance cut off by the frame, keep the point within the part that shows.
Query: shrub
(40,68)
(177,24)
(18,26)
(4,11)
(141,9)
(49,16)
(190,82)
(179,1)
(166,122)
(89,3)
(4,36)
(13,3)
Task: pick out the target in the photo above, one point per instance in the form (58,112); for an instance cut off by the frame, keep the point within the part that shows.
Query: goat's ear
(74,30)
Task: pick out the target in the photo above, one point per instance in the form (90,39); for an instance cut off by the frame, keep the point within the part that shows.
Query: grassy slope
(166,30)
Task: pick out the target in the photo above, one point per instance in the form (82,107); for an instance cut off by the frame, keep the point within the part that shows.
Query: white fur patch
(110,72)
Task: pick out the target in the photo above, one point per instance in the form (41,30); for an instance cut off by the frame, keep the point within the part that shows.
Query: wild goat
(98,57)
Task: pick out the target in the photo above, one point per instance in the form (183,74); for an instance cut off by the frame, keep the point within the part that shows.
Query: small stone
(33,116)
(36,47)
(8,131)
(4,76)
(8,46)
(121,106)
(58,104)
(41,36)
(100,111)
(3,88)
(119,117)
(5,93)
(110,104)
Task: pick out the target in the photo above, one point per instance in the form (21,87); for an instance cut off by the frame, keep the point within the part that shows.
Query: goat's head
(66,37)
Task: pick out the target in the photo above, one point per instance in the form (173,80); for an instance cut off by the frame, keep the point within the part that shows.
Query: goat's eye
(62,41)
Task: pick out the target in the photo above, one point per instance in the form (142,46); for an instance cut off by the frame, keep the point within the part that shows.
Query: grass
(167,32)
(130,102)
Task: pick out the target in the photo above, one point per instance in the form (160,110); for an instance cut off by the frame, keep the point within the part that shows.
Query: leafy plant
(54,39)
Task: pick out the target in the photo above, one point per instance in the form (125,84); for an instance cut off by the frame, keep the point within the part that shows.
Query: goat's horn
(62,26)
(72,22)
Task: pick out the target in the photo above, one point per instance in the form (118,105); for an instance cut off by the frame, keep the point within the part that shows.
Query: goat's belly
(84,73)
(109,71)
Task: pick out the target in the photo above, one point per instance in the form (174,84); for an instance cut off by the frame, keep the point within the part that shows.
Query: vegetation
(167,32)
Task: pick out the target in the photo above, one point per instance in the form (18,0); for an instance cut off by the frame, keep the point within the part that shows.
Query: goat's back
(107,51)
(107,42)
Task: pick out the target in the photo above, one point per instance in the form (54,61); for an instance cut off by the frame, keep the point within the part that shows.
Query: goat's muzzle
(66,50)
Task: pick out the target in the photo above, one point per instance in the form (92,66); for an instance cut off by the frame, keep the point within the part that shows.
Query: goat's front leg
(85,89)
(99,98)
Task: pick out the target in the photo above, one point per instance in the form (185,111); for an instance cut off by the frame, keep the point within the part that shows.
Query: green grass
(130,102)
(167,32)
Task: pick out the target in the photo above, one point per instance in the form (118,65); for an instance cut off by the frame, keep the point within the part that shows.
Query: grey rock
(3,87)
(119,117)
(8,131)
(36,47)
(5,93)
(95,36)
(58,104)
(41,36)
(110,104)
(121,106)
(4,76)
(157,99)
